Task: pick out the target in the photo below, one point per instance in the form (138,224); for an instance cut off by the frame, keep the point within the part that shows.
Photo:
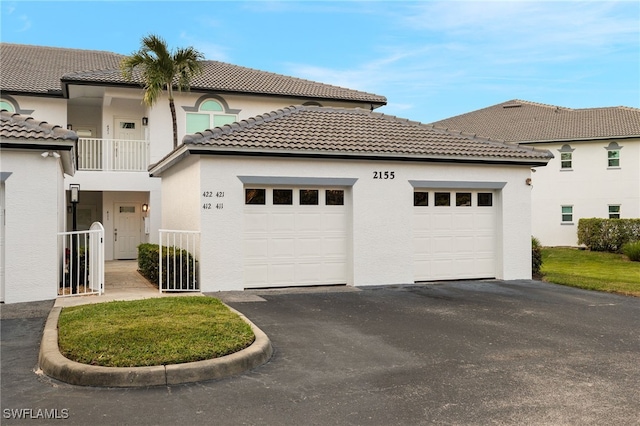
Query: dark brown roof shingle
(16,126)
(37,69)
(522,121)
(360,132)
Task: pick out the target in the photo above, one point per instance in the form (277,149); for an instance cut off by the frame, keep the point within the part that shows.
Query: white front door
(128,129)
(127,153)
(127,231)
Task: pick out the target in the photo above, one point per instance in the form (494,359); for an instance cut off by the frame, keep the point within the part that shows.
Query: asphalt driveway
(517,352)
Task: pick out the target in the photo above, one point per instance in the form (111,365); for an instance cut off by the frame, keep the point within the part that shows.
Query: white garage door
(294,236)
(454,234)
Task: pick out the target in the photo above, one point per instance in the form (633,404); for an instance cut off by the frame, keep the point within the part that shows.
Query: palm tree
(162,69)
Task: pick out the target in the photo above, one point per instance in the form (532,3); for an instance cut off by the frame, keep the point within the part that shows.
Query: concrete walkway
(122,282)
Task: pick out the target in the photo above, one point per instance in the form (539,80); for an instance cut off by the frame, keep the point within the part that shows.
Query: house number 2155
(384,175)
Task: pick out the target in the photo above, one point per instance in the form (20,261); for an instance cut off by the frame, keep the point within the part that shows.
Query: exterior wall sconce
(69,127)
(145,121)
(528,181)
(75,193)
(145,208)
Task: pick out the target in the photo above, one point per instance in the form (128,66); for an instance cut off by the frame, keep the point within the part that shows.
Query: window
(566,157)
(254,196)
(614,212)
(442,199)
(485,199)
(283,197)
(6,105)
(334,197)
(209,114)
(420,198)
(567,214)
(463,199)
(308,197)
(613,155)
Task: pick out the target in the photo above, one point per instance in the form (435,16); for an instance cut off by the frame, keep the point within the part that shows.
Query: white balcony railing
(113,155)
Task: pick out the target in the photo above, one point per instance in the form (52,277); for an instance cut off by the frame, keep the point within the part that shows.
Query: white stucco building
(316,195)
(595,171)
(35,158)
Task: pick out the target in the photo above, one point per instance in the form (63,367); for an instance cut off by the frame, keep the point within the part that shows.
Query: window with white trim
(614,211)
(210,114)
(567,214)
(613,155)
(566,157)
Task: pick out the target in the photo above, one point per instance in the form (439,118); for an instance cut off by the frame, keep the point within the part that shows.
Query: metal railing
(178,267)
(113,155)
(82,254)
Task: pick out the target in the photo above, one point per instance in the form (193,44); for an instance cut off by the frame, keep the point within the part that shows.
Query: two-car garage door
(294,236)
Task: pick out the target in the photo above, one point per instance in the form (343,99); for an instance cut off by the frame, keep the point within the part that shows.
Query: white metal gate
(178,267)
(82,257)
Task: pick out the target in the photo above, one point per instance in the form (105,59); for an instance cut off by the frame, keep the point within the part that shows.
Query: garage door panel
(256,222)
(300,244)
(256,249)
(282,222)
(282,248)
(456,242)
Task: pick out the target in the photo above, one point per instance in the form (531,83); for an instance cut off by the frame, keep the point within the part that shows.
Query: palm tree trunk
(174,122)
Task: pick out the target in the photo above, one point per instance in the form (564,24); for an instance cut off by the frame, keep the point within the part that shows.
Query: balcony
(118,155)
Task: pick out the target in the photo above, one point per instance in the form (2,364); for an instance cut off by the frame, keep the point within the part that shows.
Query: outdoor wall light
(528,181)
(69,127)
(145,121)
(75,192)
(145,207)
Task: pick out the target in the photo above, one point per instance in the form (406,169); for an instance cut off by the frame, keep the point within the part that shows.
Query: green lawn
(591,270)
(167,330)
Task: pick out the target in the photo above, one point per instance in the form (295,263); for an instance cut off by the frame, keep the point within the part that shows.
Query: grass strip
(160,331)
(591,270)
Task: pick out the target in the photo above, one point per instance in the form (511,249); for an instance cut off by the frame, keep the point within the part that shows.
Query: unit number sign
(212,201)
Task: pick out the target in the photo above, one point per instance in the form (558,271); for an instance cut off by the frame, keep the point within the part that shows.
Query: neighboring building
(119,137)
(596,169)
(314,195)
(35,157)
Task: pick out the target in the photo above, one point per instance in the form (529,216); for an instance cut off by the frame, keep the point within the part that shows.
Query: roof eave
(597,138)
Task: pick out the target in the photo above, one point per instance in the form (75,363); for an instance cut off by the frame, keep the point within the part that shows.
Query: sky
(431,59)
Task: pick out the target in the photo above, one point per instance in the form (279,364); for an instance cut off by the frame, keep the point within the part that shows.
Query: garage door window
(443,199)
(334,197)
(283,197)
(463,199)
(254,196)
(485,199)
(308,197)
(420,199)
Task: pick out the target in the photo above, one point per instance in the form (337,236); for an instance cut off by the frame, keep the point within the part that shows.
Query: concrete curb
(55,365)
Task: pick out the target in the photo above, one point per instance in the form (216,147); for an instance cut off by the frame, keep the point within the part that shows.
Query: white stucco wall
(51,110)
(381,234)
(590,187)
(34,215)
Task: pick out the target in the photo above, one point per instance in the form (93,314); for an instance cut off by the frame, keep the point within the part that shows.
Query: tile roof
(16,126)
(356,132)
(37,69)
(523,121)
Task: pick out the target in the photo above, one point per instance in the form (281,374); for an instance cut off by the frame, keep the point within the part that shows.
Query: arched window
(613,155)
(7,105)
(566,157)
(208,113)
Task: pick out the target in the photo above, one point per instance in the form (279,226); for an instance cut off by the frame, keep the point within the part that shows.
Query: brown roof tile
(345,131)
(16,126)
(522,121)
(37,69)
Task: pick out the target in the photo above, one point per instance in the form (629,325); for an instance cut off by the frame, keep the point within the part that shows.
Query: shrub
(607,234)
(179,266)
(536,256)
(632,251)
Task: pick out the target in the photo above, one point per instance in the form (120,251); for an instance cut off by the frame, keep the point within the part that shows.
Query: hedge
(608,234)
(182,261)
(536,256)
